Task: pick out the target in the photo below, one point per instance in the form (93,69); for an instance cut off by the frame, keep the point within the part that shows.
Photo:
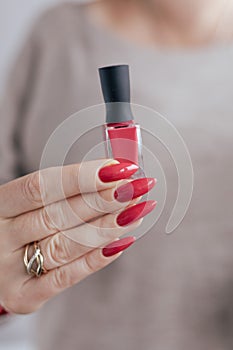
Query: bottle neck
(121,124)
(118,112)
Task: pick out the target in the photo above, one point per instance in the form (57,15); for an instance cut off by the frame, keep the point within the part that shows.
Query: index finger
(50,185)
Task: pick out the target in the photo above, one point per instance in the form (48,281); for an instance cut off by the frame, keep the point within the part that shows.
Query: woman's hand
(73,212)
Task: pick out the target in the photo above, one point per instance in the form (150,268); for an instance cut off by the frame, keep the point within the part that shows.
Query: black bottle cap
(115,85)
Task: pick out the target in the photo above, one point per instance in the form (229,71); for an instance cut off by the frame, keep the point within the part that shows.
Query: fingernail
(136,212)
(116,172)
(134,189)
(118,246)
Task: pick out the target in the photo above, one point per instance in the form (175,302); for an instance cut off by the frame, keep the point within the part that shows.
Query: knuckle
(103,205)
(58,250)
(61,279)
(31,188)
(93,262)
(101,230)
(47,221)
(54,217)
(89,266)
(98,203)
(105,230)
(58,214)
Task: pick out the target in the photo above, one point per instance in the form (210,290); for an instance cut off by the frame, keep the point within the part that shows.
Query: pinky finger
(59,279)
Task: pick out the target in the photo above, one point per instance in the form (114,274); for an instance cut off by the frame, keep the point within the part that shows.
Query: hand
(72,211)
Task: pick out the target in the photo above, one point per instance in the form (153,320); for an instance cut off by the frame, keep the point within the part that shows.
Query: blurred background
(15,21)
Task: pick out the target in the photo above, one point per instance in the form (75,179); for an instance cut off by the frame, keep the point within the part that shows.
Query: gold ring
(35,264)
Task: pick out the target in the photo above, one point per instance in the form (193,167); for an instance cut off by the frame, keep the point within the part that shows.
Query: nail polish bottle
(121,133)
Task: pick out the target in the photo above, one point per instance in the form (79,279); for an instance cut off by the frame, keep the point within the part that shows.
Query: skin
(38,207)
(167,23)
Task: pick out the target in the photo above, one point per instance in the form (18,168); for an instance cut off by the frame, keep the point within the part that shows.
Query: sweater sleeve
(13,104)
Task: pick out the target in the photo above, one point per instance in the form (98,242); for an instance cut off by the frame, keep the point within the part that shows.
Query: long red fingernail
(134,189)
(118,246)
(116,172)
(136,212)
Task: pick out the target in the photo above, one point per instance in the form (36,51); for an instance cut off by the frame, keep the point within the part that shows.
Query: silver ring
(35,264)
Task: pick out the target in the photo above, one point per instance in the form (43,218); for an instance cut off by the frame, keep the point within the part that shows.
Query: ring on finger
(35,264)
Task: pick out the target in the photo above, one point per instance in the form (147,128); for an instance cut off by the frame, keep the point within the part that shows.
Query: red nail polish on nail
(134,189)
(116,172)
(136,212)
(118,246)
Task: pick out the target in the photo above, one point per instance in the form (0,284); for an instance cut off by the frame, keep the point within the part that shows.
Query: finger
(61,249)
(60,216)
(49,285)
(64,247)
(75,211)
(51,185)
